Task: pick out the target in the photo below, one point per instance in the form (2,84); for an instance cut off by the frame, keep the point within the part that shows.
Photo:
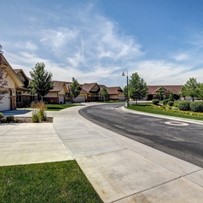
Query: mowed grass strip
(58,107)
(150,108)
(56,182)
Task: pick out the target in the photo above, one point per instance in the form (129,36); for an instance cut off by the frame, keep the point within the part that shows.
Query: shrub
(35,117)
(196,106)
(165,101)
(10,119)
(1,115)
(155,101)
(170,103)
(184,105)
(41,110)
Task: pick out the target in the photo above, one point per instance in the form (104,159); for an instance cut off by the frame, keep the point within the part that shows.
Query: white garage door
(5,102)
(61,99)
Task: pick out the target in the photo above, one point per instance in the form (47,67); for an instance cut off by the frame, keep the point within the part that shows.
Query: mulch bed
(26,120)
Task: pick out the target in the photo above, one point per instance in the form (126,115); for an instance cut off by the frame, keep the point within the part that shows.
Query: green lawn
(56,182)
(58,107)
(150,108)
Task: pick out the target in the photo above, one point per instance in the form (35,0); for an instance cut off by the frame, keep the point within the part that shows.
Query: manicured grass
(58,107)
(56,182)
(150,108)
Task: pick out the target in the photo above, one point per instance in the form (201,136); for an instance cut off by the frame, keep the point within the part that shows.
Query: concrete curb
(162,116)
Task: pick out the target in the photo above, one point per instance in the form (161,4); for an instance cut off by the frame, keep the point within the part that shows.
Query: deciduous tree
(191,88)
(137,87)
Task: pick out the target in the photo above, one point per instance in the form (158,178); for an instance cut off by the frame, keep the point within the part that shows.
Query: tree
(161,93)
(183,92)
(3,81)
(191,88)
(74,88)
(137,87)
(200,91)
(41,82)
(104,94)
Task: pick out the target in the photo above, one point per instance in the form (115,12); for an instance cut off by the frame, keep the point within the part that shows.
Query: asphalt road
(184,142)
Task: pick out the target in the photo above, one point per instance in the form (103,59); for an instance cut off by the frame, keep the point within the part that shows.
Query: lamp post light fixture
(127,97)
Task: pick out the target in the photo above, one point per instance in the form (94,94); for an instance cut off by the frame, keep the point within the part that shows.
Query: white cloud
(182,56)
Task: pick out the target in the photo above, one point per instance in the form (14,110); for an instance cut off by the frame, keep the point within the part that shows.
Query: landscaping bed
(47,182)
(11,119)
(155,109)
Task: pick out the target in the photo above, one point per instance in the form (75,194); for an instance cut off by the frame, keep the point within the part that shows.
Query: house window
(18,97)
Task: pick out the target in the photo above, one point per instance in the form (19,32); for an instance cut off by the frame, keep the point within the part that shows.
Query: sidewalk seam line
(147,189)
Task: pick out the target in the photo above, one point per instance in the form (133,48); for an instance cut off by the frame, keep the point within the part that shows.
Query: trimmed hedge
(184,105)
(196,106)
(155,101)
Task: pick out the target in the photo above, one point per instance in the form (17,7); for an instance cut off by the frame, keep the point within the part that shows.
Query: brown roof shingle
(175,89)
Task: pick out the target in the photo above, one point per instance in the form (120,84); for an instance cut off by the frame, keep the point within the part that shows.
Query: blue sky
(94,40)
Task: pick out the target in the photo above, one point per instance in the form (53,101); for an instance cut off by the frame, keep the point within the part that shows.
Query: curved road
(184,142)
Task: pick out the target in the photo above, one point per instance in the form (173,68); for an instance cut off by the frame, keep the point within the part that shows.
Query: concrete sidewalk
(123,170)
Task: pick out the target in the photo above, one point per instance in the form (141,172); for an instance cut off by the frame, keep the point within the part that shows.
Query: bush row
(196,106)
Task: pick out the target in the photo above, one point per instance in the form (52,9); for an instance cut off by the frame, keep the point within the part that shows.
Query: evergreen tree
(137,87)
(74,88)
(41,82)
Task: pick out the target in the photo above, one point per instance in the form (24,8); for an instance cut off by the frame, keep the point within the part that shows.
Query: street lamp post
(127,97)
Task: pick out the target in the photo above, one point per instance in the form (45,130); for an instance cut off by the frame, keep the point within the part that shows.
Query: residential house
(23,94)
(13,82)
(58,94)
(89,92)
(153,90)
(115,93)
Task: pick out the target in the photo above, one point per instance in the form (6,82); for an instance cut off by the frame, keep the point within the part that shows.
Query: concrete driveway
(26,143)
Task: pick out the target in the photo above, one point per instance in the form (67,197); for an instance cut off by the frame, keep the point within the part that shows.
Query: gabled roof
(114,90)
(22,72)
(87,87)
(58,85)
(4,63)
(175,89)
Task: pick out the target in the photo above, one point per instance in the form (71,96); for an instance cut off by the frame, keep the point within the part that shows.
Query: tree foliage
(200,91)
(41,82)
(137,87)
(104,94)
(3,81)
(74,88)
(161,93)
(191,88)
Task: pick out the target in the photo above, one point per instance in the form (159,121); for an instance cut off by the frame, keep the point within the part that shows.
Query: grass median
(47,182)
(150,108)
(58,107)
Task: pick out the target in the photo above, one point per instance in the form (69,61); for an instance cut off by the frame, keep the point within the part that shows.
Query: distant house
(58,94)
(13,82)
(89,92)
(115,93)
(23,94)
(153,90)
(92,92)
